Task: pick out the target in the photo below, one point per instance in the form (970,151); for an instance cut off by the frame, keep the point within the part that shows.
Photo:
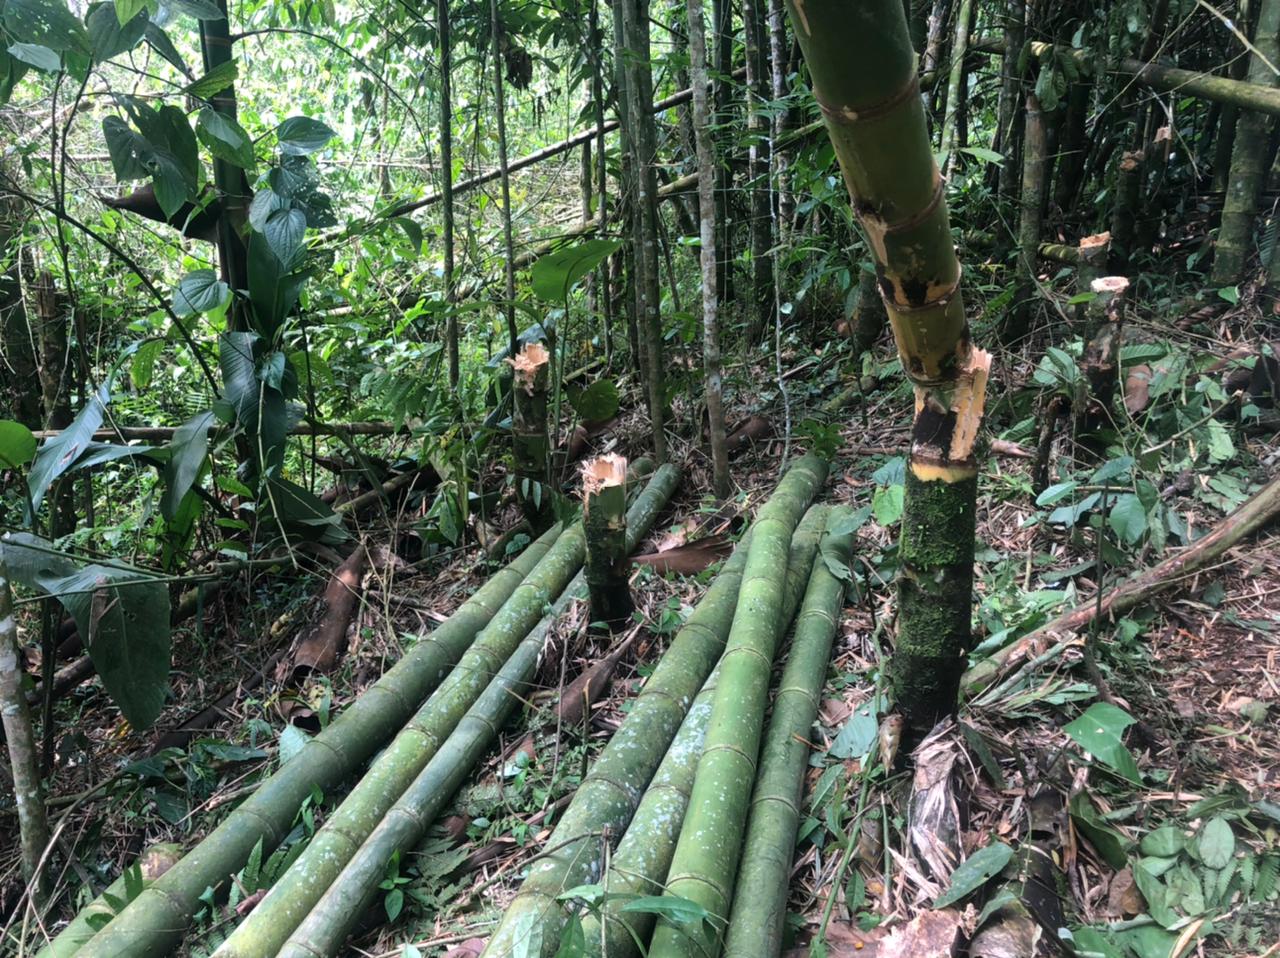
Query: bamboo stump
(1091,404)
(1091,260)
(531,444)
(604,516)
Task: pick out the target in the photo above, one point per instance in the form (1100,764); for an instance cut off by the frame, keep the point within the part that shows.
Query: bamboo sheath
(643,858)
(267,927)
(760,897)
(325,929)
(154,922)
(614,789)
(707,853)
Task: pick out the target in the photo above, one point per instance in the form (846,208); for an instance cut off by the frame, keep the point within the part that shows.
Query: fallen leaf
(931,934)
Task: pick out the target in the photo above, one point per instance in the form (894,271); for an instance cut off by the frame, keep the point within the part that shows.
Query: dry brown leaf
(931,934)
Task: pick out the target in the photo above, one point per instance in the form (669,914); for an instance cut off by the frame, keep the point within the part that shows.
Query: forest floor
(1198,667)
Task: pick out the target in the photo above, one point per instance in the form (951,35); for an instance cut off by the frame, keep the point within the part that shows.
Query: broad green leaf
(142,366)
(108,36)
(1128,518)
(305,514)
(126,10)
(200,9)
(33,54)
(673,908)
(1230,293)
(1164,842)
(886,504)
(1069,515)
(45,23)
(260,411)
(573,940)
(555,273)
(273,288)
(1059,490)
(1217,843)
(57,454)
(17,445)
(982,153)
(122,613)
(849,524)
(300,135)
(1111,469)
(215,81)
(597,402)
(186,459)
(159,41)
(974,872)
(1099,731)
(200,291)
(1111,844)
(859,733)
(1221,448)
(224,138)
(283,231)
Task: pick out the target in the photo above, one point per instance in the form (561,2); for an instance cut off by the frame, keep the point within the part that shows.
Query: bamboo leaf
(974,872)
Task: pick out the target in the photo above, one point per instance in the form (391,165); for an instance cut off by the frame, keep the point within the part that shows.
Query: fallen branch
(319,648)
(1246,520)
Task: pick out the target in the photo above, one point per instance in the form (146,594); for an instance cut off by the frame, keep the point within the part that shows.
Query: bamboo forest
(620,478)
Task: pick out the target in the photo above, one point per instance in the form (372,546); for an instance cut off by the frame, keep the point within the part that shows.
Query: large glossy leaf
(11,71)
(555,273)
(35,55)
(300,135)
(225,138)
(108,36)
(159,41)
(1100,732)
(215,81)
(273,287)
(199,292)
(200,9)
(126,10)
(58,453)
(597,402)
(302,513)
(283,231)
(17,444)
(260,410)
(187,453)
(121,612)
(47,23)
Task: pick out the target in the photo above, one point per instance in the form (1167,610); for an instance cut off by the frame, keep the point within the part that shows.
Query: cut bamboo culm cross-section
(604,516)
(530,441)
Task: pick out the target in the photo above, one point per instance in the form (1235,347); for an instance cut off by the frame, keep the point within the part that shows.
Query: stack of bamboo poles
(476,662)
(661,812)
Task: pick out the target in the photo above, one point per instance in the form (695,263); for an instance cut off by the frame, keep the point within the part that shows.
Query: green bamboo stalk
(326,927)
(760,897)
(266,928)
(153,863)
(643,858)
(955,93)
(613,791)
(1017,321)
(1248,158)
(706,856)
(863,71)
(154,922)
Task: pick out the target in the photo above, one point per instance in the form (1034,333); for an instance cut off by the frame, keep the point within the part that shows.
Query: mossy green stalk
(760,897)
(706,857)
(324,930)
(154,922)
(613,798)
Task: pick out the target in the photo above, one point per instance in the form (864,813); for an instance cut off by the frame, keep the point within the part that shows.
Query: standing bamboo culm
(1249,158)
(760,309)
(706,856)
(508,243)
(1017,322)
(24,759)
(531,443)
(864,78)
(955,86)
(446,184)
(707,253)
(756,923)
(604,517)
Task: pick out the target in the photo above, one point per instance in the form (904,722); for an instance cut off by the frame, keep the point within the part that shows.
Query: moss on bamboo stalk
(267,927)
(760,896)
(154,922)
(604,495)
(614,789)
(706,857)
(324,929)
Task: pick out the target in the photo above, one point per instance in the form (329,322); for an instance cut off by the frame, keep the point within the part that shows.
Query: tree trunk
(955,85)
(1249,158)
(785,207)
(722,40)
(707,254)
(1236,69)
(508,244)
(18,400)
(864,74)
(604,516)
(1017,323)
(24,757)
(760,309)
(445,43)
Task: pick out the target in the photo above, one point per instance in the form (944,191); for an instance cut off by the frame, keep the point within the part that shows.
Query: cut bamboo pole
(326,927)
(1253,515)
(153,863)
(613,790)
(604,516)
(760,897)
(530,441)
(706,856)
(154,922)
